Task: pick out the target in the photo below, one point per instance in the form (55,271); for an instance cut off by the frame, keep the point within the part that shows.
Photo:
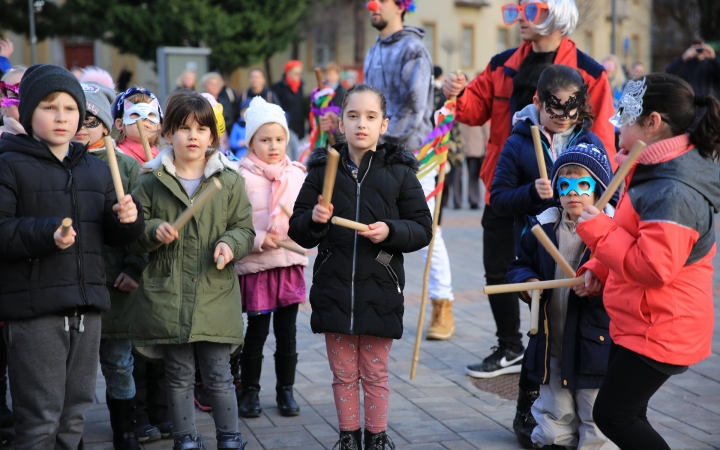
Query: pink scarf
(132,148)
(278,223)
(660,151)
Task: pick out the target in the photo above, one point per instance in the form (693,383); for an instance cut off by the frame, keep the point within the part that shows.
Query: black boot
(122,422)
(230,440)
(285,373)
(235,371)
(350,440)
(6,416)
(249,403)
(378,441)
(524,422)
(188,442)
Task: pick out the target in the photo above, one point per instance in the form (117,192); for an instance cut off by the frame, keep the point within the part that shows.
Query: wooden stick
(114,170)
(221,262)
(285,210)
(539,153)
(319,76)
(339,221)
(330,172)
(143,139)
(66,227)
(290,247)
(541,285)
(198,203)
(554,252)
(534,311)
(620,174)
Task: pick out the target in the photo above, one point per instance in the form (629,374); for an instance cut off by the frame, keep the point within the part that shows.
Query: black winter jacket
(293,104)
(37,191)
(352,293)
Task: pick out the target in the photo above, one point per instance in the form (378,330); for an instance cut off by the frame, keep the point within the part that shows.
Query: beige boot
(442,325)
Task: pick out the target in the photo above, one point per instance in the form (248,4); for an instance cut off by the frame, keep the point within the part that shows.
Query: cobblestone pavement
(441,408)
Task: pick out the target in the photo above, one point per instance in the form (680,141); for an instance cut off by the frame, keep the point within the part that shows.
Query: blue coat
(513,188)
(586,339)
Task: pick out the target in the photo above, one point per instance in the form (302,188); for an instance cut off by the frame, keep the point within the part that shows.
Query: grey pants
(214,362)
(52,371)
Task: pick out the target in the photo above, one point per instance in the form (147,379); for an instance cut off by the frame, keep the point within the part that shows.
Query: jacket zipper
(357,219)
(394,278)
(78,241)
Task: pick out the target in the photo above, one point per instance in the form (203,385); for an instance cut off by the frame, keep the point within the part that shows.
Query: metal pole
(614,26)
(33,38)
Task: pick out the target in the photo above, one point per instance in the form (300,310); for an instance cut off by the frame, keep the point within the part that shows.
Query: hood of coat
(215,163)
(389,152)
(22,143)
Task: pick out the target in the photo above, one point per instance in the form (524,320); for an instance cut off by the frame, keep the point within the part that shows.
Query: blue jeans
(116,361)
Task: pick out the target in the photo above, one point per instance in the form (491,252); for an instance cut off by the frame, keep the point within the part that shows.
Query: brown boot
(442,325)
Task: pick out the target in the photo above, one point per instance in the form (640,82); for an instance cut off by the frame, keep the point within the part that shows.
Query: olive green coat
(116,323)
(183,297)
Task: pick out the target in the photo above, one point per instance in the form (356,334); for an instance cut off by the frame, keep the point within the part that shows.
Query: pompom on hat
(261,112)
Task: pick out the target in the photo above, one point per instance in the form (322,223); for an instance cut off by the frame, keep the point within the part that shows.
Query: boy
(575,329)
(53,288)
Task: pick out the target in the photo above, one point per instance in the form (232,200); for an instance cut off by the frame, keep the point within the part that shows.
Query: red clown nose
(373,5)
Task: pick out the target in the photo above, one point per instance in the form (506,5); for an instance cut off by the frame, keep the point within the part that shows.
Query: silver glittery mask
(630,104)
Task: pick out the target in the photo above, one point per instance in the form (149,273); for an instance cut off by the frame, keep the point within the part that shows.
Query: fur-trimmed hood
(166,157)
(390,154)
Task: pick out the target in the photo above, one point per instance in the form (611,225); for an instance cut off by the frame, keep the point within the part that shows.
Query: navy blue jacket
(586,340)
(513,188)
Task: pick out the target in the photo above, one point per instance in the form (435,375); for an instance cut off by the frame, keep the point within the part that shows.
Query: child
(561,112)
(10,88)
(53,288)
(272,279)
(137,105)
(660,246)
(122,273)
(358,277)
(568,356)
(186,305)
(238,142)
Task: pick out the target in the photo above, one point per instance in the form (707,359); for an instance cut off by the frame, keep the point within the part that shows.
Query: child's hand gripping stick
(66,227)
(220,262)
(349,224)
(198,203)
(143,139)
(290,247)
(319,76)
(554,252)
(535,285)
(539,154)
(534,311)
(333,157)
(620,175)
(114,170)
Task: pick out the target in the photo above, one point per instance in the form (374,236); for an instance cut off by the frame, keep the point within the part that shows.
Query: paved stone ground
(441,408)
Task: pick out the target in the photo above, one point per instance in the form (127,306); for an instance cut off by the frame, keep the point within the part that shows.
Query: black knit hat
(592,158)
(41,80)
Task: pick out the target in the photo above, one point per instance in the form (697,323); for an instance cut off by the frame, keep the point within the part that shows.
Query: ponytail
(706,135)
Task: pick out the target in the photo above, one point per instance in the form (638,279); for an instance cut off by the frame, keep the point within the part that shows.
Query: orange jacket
(487,97)
(655,256)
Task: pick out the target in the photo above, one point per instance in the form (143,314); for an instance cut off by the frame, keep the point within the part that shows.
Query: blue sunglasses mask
(581,186)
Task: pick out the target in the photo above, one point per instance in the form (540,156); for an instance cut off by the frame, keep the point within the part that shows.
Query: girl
(186,305)
(660,247)
(10,88)
(137,105)
(272,279)
(358,277)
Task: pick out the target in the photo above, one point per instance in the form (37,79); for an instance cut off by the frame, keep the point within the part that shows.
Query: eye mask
(581,186)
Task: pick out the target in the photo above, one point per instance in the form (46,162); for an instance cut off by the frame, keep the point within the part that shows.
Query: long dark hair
(556,77)
(674,99)
(184,104)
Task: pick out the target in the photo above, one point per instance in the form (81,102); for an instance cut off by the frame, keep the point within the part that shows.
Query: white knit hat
(261,112)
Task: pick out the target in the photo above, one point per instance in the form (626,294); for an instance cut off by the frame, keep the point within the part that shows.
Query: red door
(79,55)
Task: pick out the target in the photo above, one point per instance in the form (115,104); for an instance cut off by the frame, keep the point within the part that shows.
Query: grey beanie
(41,80)
(98,102)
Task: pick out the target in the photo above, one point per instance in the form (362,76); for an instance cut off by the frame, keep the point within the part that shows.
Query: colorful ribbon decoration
(434,150)
(319,106)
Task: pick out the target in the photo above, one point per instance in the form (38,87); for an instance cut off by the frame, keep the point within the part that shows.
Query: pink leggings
(353,358)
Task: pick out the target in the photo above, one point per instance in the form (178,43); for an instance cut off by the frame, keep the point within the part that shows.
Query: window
(635,48)
(503,40)
(325,40)
(468,45)
(589,43)
(430,38)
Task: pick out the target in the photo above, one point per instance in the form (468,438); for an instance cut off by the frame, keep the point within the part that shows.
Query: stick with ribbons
(320,104)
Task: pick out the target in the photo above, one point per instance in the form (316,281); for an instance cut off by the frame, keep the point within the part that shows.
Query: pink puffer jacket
(258,189)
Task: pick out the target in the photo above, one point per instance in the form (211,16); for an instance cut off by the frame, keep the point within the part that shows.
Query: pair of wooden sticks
(545,241)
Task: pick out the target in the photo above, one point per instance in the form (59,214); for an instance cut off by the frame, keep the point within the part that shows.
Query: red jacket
(487,97)
(655,256)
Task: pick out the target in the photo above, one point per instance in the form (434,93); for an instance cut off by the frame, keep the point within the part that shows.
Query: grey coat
(401,67)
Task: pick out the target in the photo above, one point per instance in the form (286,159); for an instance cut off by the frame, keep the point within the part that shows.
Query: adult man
(699,67)
(507,85)
(400,66)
